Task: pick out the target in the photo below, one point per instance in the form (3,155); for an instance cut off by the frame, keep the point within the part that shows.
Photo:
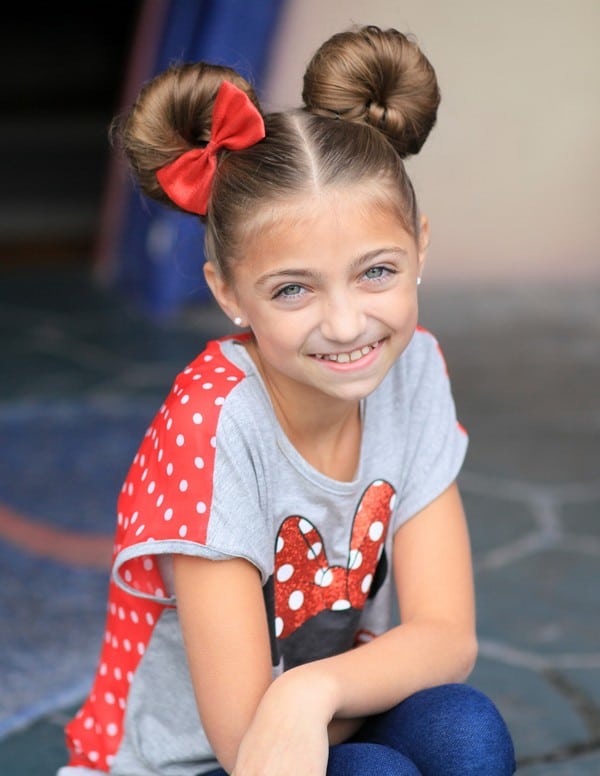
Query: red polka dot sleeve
(166,497)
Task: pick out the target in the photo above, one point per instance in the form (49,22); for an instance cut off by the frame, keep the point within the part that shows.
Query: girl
(301,474)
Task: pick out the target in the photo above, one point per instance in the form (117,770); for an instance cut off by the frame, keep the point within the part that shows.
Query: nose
(343,319)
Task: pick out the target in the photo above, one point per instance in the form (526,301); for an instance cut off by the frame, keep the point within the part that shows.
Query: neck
(325,430)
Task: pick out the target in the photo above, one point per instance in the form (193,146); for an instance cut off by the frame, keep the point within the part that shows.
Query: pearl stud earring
(419,280)
(237,320)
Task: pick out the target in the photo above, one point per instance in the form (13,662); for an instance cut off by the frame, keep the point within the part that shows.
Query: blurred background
(102,301)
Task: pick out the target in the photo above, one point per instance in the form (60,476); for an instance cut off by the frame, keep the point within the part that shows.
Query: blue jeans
(451,730)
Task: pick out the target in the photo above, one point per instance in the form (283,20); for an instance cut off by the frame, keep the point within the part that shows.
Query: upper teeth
(344,358)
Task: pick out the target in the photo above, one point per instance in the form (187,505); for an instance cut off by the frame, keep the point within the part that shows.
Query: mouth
(348,356)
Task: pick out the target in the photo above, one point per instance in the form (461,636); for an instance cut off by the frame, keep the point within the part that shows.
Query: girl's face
(330,293)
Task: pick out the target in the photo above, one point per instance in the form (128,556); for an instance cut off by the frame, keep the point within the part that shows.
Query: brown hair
(370,99)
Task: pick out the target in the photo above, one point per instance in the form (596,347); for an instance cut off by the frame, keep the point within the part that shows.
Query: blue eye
(290,291)
(378,273)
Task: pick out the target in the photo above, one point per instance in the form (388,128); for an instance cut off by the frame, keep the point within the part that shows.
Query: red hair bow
(236,124)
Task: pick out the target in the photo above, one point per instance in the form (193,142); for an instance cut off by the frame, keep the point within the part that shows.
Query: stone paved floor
(525,365)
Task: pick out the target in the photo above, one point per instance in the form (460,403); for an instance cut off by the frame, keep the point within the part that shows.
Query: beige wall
(510,177)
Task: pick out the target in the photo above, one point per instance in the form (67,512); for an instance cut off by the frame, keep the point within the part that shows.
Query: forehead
(329,212)
(322,235)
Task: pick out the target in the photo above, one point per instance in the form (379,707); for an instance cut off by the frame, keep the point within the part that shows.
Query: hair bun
(172,115)
(378,77)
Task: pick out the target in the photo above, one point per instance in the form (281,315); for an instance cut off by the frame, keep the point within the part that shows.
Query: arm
(224,625)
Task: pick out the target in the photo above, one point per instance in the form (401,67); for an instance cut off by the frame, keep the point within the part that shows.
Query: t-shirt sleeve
(436,441)
(170,502)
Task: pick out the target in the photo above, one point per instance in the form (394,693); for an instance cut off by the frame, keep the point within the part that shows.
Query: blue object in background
(158,253)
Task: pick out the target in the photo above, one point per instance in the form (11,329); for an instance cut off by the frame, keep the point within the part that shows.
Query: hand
(288,734)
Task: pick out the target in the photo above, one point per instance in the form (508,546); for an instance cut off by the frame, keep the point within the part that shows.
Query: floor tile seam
(518,657)
(512,489)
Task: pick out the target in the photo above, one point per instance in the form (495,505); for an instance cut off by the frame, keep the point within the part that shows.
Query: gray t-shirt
(215,476)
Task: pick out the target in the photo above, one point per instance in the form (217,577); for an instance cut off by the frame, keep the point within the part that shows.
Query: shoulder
(201,390)
(420,368)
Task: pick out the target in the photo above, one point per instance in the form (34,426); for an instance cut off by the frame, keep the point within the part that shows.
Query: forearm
(380,674)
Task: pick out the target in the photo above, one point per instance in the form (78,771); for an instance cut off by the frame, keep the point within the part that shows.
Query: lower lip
(350,366)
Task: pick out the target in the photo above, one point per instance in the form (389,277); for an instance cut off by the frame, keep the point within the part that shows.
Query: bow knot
(236,124)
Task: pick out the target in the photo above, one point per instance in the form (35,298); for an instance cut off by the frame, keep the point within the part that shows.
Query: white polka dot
(130,489)
(112,729)
(169,469)
(323,577)
(185,399)
(314,550)
(109,698)
(207,386)
(183,486)
(232,379)
(148,566)
(94,756)
(160,500)
(393,501)
(280,544)
(187,370)
(122,703)
(115,642)
(197,418)
(305,526)
(169,424)
(89,723)
(168,513)
(180,441)
(278,626)
(219,369)
(285,572)
(378,483)
(121,613)
(197,377)
(151,487)
(376,531)
(140,530)
(201,507)
(366,583)
(149,618)
(219,401)
(141,648)
(127,576)
(340,605)
(296,600)
(355,560)
(208,358)
(129,676)
(134,517)
(117,673)
(127,645)
(199,462)
(183,531)
(161,452)
(213,441)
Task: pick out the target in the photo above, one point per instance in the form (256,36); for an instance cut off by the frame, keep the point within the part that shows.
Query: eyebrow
(356,264)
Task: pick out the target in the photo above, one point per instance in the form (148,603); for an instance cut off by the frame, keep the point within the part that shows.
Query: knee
(480,740)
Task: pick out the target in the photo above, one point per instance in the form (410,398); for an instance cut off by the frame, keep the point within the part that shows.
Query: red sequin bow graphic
(305,583)
(236,124)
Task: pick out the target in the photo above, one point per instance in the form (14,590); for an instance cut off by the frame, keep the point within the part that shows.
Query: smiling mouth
(346,358)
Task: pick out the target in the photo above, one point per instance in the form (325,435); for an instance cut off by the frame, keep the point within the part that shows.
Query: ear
(222,291)
(423,243)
